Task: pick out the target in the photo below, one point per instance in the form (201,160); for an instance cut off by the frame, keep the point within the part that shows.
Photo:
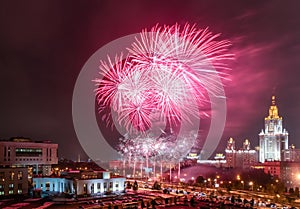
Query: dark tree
(291,191)
(135,186)
(156,186)
(297,191)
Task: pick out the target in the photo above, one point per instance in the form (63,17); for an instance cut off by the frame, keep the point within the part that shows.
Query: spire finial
(273,101)
(273,110)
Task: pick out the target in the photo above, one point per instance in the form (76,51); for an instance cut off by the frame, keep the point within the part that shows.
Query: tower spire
(273,101)
(274,139)
(273,110)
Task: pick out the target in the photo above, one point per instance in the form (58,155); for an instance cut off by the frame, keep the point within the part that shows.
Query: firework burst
(164,76)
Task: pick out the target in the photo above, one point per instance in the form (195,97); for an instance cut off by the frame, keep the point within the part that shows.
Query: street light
(251,184)
(242,182)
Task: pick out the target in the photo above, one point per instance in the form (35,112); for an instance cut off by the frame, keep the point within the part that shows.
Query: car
(202,194)
(261,204)
(271,205)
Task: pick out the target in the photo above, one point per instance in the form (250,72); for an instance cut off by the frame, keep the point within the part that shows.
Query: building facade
(277,159)
(230,154)
(27,153)
(273,168)
(20,159)
(241,158)
(81,183)
(292,154)
(13,181)
(290,174)
(274,138)
(53,184)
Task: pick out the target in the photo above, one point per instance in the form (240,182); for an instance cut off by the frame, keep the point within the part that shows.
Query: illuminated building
(13,181)
(242,158)
(230,154)
(290,174)
(292,154)
(272,168)
(273,139)
(23,152)
(80,183)
(276,157)
(193,154)
(220,158)
(53,184)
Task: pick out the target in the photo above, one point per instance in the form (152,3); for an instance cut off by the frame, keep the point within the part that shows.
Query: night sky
(44,45)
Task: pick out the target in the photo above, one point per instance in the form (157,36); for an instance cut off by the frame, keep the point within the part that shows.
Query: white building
(81,182)
(273,139)
(53,184)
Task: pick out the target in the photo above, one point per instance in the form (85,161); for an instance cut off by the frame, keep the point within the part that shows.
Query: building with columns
(81,183)
(273,140)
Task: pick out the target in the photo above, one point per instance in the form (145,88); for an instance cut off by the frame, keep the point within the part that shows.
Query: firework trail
(164,78)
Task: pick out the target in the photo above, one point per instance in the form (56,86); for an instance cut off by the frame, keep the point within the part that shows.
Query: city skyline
(45,45)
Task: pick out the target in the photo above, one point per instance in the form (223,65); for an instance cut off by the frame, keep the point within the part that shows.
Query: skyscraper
(273,139)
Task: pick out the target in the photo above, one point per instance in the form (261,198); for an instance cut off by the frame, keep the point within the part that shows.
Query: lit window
(20,187)
(11,186)
(47,185)
(20,175)
(11,175)
(2,176)
(10,191)
(1,192)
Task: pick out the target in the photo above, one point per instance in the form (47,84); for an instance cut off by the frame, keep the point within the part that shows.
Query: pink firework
(109,91)
(164,76)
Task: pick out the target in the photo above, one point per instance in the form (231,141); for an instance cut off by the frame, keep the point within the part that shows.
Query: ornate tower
(230,144)
(274,139)
(230,154)
(246,145)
